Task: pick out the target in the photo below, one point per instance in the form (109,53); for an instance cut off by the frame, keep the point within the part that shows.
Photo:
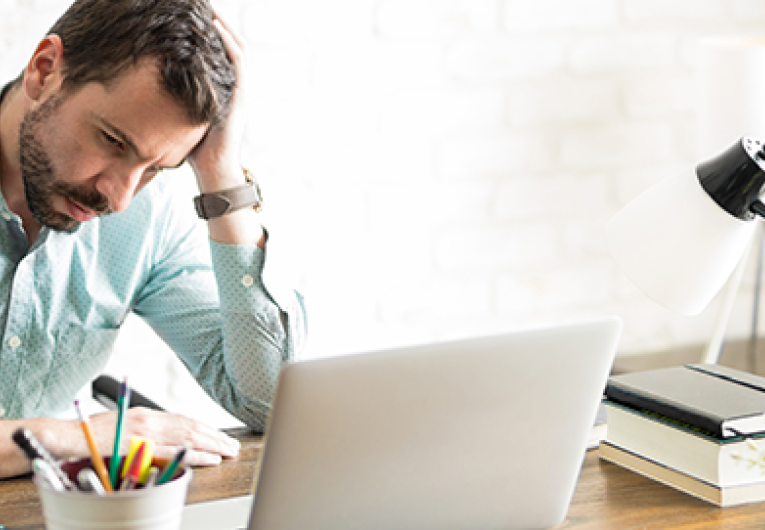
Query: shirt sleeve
(231,330)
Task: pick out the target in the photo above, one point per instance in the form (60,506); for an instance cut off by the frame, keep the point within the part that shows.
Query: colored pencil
(95,455)
(167,474)
(134,473)
(123,402)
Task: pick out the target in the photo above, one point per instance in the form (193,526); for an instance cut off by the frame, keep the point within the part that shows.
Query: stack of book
(697,428)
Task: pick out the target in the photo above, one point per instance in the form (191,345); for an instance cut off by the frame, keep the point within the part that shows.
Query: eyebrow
(123,137)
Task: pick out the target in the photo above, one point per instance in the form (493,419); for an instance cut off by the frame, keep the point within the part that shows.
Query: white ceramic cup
(156,508)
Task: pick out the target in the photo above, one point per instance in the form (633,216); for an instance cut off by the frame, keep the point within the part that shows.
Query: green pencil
(167,474)
(123,402)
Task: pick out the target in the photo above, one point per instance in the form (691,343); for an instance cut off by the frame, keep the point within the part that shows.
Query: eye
(113,141)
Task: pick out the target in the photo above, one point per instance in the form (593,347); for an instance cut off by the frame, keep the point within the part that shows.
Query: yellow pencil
(95,456)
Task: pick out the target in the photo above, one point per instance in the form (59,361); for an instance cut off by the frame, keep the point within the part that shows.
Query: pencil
(123,401)
(167,474)
(95,456)
(146,458)
(134,473)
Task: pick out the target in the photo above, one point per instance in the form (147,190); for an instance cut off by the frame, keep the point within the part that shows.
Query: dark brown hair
(103,38)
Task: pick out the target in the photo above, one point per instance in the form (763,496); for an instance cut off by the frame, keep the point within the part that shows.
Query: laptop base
(223,514)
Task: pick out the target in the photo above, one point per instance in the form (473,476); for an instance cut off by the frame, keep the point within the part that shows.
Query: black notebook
(721,401)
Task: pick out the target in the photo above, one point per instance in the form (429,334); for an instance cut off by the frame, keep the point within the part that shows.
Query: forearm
(62,439)
(216,160)
(65,439)
(241,227)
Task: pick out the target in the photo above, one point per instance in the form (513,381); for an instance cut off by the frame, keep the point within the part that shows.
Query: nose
(120,185)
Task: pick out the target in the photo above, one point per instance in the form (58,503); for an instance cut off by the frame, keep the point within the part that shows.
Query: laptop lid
(473,434)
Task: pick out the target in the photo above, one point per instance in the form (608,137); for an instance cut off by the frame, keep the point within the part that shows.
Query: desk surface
(606,497)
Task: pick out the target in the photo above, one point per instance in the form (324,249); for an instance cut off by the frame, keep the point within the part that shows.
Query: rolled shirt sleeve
(231,330)
(263,326)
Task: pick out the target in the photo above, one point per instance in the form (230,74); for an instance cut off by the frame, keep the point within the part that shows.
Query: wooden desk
(607,497)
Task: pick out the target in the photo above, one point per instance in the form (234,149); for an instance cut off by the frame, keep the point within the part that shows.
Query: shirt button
(247,280)
(6,215)
(14,342)
(2,411)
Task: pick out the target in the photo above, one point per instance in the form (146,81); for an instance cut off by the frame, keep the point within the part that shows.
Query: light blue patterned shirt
(63,299)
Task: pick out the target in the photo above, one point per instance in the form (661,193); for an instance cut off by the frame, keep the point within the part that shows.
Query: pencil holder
(155,508)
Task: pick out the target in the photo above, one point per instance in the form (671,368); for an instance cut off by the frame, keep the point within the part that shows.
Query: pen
(88,481)
(171,467)
(134,473)
(45,473)
(123,401)
(95,455)
(32,448)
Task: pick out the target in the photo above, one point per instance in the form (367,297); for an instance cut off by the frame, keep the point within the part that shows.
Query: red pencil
(134,473)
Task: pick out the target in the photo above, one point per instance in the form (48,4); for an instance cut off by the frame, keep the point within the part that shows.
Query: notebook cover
(690,395)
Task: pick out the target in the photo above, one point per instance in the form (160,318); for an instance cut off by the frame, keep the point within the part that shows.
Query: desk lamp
(681,239)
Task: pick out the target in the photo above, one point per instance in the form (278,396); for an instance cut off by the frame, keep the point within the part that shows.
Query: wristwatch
(216,204)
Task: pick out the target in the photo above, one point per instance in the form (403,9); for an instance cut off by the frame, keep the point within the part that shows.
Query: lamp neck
(735,178)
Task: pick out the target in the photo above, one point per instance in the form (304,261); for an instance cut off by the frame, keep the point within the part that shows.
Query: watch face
(211,205)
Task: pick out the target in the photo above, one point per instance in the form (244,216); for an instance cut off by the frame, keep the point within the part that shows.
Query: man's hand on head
(216,159)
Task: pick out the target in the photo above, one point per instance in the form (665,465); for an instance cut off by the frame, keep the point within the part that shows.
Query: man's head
(103,38)
(132,86)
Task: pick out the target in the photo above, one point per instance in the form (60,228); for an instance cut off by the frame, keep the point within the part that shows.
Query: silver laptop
(484,433)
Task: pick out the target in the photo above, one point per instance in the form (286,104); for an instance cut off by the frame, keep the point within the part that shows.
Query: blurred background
(437,169)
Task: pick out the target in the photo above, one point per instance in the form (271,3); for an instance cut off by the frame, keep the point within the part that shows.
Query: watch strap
(216,204)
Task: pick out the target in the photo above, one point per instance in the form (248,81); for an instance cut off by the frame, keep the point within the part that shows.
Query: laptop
(482,433)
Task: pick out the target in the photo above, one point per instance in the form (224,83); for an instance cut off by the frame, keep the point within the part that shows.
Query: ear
(44,72)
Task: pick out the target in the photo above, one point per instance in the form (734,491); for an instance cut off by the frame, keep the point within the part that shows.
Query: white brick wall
(664,10)
(746,10)
(540,15)
(444,168)
(499,58)
(622,51)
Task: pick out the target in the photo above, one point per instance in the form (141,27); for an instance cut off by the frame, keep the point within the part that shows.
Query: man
(118,91)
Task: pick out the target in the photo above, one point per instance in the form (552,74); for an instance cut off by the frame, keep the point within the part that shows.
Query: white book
(720,496)
(722,462)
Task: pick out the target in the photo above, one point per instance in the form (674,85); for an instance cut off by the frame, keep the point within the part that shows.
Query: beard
(41,183)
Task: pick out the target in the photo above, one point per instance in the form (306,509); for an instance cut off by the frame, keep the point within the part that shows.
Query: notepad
(721,401)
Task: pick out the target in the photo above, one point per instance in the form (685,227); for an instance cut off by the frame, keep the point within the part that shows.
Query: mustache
(89,198)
